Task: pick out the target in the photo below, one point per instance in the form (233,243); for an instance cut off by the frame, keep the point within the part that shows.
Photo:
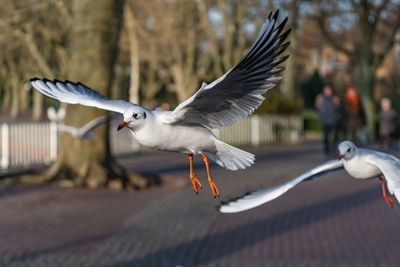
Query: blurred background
(156,53)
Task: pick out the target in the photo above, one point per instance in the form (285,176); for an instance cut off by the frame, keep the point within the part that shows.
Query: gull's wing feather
(77,93)
(262,196)
(67,128)
(390,167)
(93,124)
(238,92)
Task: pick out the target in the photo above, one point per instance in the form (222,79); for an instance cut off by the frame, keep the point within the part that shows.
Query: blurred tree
(310,88)
(289,81)
(33,34)
(95,33)
(183,43)
(131,25)
(372,26)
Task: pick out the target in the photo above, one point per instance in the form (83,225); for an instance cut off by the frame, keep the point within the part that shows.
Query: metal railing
(36,143)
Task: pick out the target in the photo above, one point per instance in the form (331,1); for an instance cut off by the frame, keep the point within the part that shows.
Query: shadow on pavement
(69,245)
(8,191)
(213,247)
(265,155)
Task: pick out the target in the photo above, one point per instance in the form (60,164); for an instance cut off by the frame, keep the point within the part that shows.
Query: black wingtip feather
(283,23)
(282,48)
(57,81)
(276,14)
(284,35)
(34,79)
(68,81)
(282,59)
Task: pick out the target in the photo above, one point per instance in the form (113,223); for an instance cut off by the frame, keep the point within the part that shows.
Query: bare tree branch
(320,19)
(378,58)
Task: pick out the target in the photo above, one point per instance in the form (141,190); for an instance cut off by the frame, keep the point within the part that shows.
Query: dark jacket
(328,112)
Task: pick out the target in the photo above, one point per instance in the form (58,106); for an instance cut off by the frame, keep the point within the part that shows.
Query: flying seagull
(223,102)
(84,132)
(56,116)
(359,163)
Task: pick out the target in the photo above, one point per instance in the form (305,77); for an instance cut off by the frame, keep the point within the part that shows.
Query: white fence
(27,144)
(30,144)
(263,129)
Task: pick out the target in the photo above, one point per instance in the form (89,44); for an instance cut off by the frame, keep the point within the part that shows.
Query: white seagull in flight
(233,96)
(85,132)
(359,163)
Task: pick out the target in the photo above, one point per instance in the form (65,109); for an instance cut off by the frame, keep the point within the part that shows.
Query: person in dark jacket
(328,106)
(387,122)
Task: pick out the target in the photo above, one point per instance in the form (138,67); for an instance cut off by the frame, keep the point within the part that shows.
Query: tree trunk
(366,85)
(37,108)
(289,76)
(179,82)
(134,55)
(94,46)
(23,98)
(88,162)
(15,97)
(37,111)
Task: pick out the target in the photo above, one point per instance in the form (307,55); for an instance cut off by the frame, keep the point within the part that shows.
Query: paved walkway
(336,221)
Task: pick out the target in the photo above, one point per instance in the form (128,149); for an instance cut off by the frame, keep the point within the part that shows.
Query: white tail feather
(230,157)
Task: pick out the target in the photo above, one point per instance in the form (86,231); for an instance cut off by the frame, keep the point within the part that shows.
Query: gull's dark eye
(348,150)
(135,115)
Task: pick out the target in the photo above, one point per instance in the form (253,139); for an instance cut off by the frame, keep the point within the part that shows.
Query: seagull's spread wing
(238,92)
(77,93)
(262,196)
(93,124)
(390,167)
(67,128)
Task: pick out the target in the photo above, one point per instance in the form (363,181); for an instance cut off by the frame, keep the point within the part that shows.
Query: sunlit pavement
(334,221)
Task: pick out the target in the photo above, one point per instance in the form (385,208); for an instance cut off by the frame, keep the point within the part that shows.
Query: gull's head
(347,150)
(134,118)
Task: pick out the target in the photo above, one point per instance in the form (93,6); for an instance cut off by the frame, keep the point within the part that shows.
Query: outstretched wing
(390,167)
(238,92)
(67,128)
(77,93)
(262,196)
(93,124)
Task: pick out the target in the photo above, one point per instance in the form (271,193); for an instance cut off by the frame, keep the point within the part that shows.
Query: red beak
(340,156)
(122,125)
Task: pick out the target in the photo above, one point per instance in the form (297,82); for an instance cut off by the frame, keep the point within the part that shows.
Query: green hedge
(311,120)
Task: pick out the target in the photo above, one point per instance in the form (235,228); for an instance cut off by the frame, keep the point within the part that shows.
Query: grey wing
(77,93)
(259,197)
(67,128)
(238,92)
(390,167)
(93,124)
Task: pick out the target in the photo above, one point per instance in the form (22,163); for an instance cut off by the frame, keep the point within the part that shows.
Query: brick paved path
(336,221)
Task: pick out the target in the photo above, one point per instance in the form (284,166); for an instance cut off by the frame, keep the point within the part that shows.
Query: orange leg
(195,182)
(387,198)
(212,184)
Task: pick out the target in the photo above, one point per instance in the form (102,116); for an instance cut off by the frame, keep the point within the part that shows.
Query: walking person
(387,122)
(328,106)
(355,118)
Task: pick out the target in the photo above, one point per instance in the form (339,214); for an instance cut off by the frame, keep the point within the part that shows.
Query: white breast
(359,168)
(176,138)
